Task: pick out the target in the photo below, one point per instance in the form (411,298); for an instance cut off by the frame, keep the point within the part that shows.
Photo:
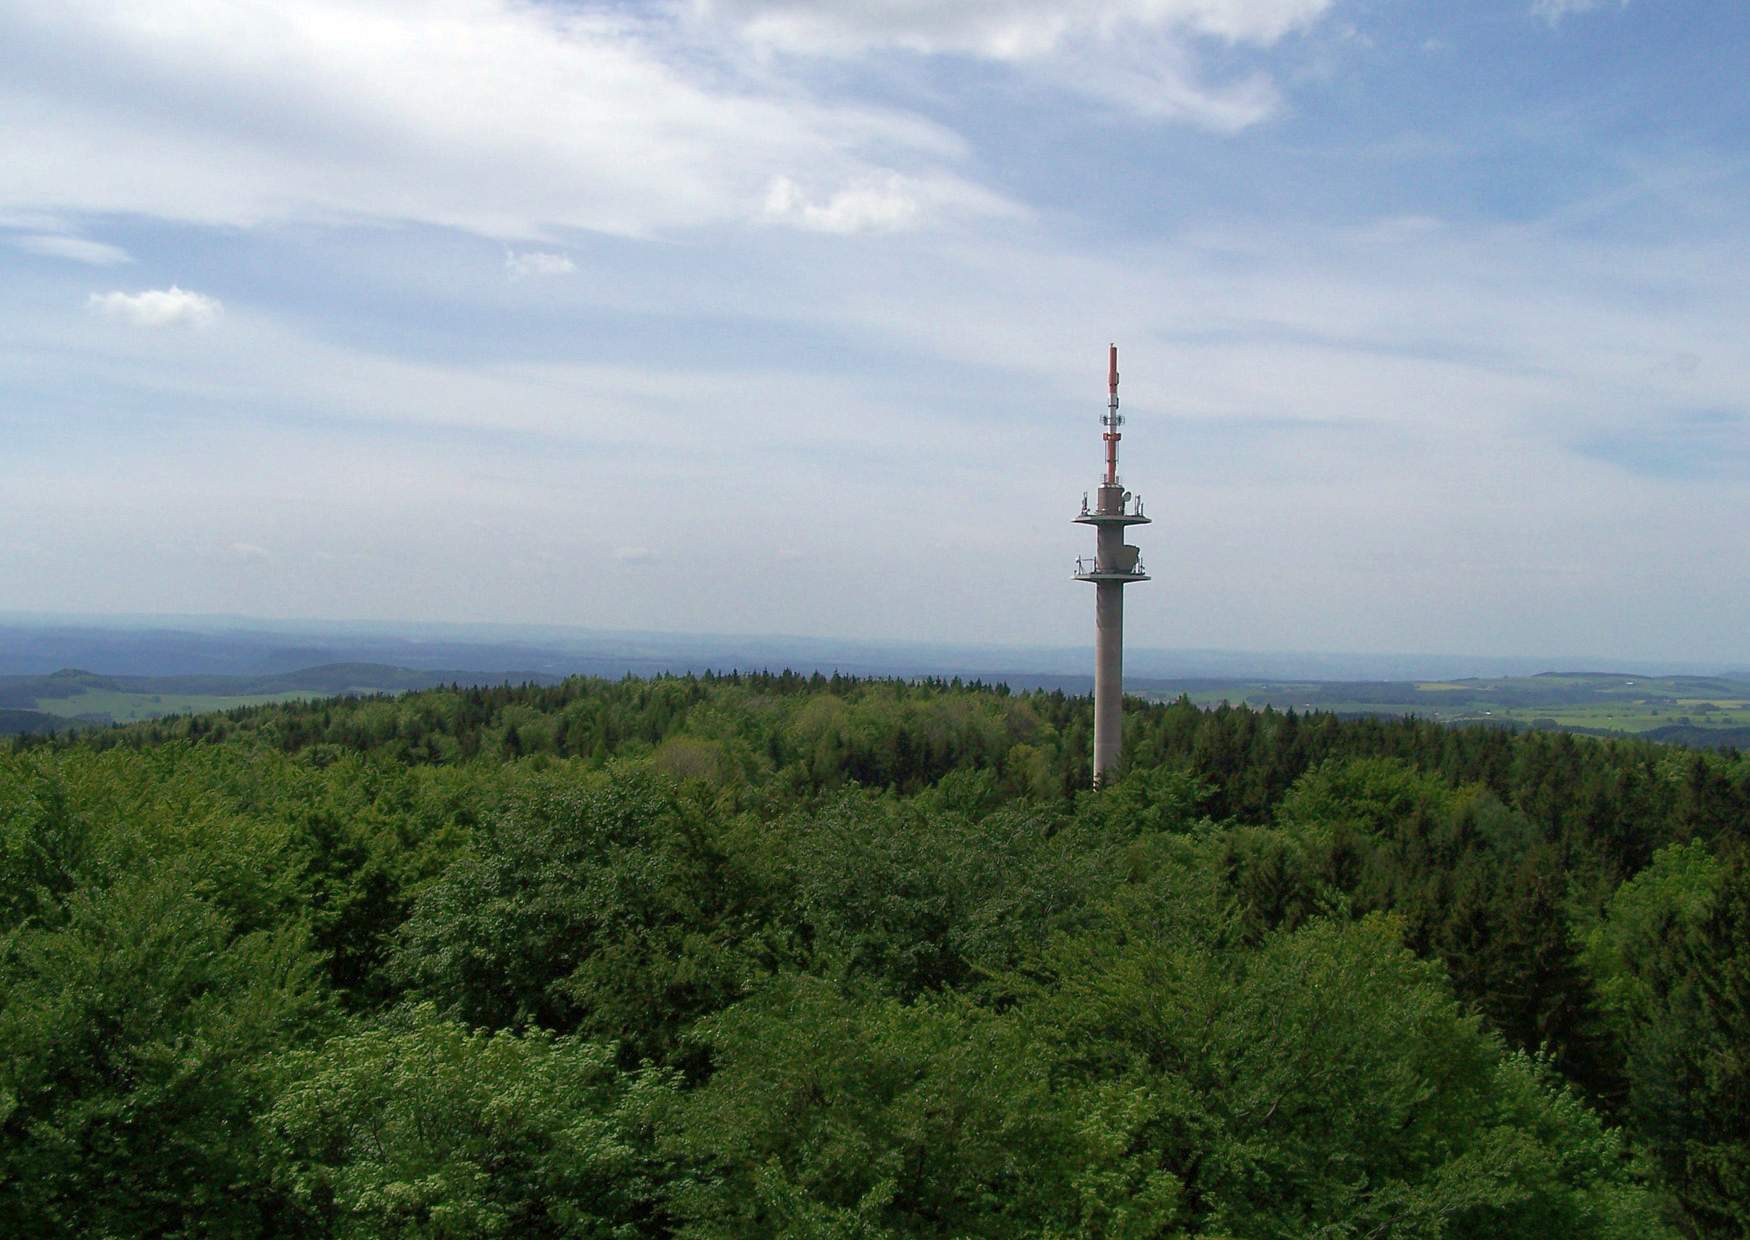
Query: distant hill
(151,667)
(1694,711)
(71,697)
(244,646)
(13,722)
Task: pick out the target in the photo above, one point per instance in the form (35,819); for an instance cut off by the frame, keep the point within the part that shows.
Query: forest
(808,956)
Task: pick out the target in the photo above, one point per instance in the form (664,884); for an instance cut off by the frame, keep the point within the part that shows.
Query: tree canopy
(775,955)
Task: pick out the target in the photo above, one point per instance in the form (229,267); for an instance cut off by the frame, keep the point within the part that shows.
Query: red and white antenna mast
(1112,421)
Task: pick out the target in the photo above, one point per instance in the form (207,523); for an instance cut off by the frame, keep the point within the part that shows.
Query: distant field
(1690,708)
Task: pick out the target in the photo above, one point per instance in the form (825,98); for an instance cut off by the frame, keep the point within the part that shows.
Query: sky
(767,316)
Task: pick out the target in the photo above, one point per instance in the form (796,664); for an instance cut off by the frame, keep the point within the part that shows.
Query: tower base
(1108,677)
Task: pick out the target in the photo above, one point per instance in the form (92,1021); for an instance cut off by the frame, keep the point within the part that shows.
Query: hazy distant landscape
(57,674)
(1685,710)
(72,697)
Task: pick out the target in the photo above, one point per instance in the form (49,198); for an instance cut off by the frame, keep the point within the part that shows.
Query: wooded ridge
(786,955)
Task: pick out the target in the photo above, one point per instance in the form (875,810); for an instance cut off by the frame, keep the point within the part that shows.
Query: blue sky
(769,316)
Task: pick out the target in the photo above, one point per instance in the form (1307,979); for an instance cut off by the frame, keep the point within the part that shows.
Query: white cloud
(520,120)
(1139,55)
(634,555)
(79,249)
(537,263)
(32,221)
(158,307)
(1552,11)
(508,119)
(1004,29)
(865,208)
(878,204)
(248,551)
(1162,83)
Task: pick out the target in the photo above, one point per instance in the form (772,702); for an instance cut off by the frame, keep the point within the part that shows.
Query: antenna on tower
(1112,421)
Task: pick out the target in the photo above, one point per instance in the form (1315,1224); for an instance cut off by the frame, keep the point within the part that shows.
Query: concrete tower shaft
(1115,565)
